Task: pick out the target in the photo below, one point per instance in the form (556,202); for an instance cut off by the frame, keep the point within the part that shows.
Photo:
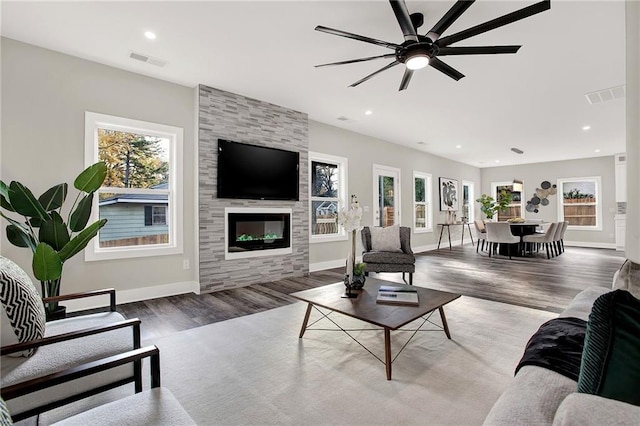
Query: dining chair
(481,233)
(500,233)
(565,225)
(556,239)
(545,239)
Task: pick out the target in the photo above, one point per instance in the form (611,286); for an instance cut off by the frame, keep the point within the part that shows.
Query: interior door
(386,196)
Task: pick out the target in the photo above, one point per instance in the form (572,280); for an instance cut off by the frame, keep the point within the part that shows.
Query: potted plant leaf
(489,206)
(42,229)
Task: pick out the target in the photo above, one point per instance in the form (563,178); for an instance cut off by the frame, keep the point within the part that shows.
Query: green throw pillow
(610,364)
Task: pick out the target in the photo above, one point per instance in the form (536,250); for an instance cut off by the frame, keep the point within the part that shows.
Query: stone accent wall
(224,115)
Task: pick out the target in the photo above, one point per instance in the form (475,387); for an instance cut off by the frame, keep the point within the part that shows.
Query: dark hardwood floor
(536,282)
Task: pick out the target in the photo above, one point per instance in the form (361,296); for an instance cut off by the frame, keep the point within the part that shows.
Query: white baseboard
(134,295)
(590,244)
(329,264)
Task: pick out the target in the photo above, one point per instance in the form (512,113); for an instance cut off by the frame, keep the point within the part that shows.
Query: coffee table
(365,308)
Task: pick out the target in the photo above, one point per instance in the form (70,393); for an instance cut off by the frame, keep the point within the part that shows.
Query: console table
(448,226)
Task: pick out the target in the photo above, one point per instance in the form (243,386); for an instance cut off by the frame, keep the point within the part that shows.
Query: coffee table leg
(444,322)
(305,321)
(387,351)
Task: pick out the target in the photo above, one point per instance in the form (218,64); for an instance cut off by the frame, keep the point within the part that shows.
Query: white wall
(632,236)
(534,174)
(44,98)
(364,151)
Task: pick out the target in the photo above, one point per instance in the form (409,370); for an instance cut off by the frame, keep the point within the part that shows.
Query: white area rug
(254,370)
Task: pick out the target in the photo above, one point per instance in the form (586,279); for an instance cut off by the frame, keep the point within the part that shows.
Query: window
(422,219)
(515,208)
(580,203)
(328,193)
(468,200)
(155,215)
(140,197)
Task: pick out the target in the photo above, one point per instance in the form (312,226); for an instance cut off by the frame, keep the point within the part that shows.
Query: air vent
(147,59)
(606,95)
(517,151)
(346,119)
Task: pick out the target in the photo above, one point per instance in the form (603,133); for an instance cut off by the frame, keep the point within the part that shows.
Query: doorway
(386,196)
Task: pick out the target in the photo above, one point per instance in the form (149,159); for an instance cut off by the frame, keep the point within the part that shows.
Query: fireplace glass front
(258,231)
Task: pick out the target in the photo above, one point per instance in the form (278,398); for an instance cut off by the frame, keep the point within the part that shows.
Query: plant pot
(60,312)
(358,282)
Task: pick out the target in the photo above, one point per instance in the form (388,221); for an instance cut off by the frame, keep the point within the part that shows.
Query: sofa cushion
(386,239)
(532,398)
(610,366)
(628,278)
(580,306)
(23,317)
(579,409)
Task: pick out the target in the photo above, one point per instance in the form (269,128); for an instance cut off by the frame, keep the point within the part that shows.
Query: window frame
(163,215)
(174,212)
(560,191)
(428,196)
(494,194)
(343,166)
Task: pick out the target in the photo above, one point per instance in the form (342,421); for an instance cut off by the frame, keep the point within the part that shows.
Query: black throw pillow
(610,364)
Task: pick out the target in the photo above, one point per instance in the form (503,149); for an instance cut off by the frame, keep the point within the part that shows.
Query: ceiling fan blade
(449,18)
(356,37)
(448,70)
(495,23)
(402,15)
(386,67)
(477,50)
(406,78)
(352,61)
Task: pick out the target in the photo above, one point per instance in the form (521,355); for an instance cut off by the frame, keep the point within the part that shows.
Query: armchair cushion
(386,239)
(156,406)
(388,257)
(23,317)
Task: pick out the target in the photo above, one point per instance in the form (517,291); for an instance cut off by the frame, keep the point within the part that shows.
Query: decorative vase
(60,312)
(358,282)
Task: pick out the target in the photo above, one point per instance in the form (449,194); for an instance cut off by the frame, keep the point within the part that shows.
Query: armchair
(155,406)
(58,346)
(395,256)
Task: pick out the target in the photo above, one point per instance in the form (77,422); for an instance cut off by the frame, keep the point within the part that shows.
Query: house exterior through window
(422,216)
(327,196)
(580,203)
(140,196)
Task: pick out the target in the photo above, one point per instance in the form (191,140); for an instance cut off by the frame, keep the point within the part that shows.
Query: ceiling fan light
(417,61)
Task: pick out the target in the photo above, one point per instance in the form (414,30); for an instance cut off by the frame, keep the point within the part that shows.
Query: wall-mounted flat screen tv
(257,172)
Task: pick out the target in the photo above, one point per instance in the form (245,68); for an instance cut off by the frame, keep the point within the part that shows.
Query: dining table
(520,229)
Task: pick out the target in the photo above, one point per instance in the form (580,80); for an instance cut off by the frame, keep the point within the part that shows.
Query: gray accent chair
(383,261)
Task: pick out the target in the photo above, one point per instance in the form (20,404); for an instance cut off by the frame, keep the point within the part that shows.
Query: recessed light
(368,112)
(458,146)
(585,128)
(597,150)
(150,35)
(497,161)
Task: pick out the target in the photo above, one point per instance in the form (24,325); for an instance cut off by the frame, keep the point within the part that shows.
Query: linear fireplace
(253,232)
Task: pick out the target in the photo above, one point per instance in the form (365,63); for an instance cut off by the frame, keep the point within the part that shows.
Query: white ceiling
(533,100)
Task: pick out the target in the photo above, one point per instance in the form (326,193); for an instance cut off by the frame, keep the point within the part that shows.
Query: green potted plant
(43,230)
(490,207)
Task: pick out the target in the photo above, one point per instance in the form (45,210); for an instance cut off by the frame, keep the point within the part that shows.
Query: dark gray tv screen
(257,172)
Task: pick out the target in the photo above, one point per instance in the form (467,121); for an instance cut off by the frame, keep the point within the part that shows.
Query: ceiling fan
(417,51)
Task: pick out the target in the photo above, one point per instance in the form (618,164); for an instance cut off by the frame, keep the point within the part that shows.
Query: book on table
(397,295)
